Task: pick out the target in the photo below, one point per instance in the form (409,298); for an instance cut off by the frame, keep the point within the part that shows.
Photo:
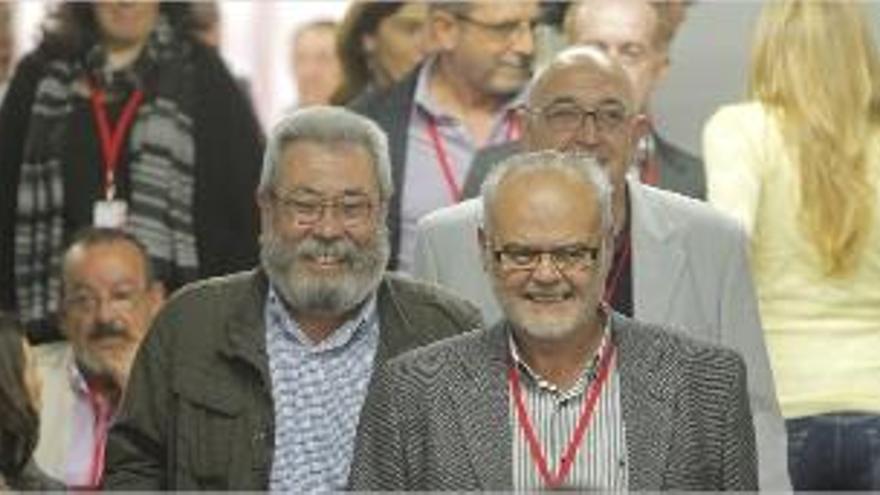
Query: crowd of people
(448,267)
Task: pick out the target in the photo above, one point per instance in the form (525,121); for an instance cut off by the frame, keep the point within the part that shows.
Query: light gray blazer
(690,273)
(437,418)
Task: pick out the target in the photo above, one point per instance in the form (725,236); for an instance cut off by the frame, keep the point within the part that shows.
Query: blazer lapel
(647,397)
(481,401)
(658,256)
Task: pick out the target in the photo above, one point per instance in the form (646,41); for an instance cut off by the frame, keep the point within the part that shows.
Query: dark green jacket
(198,411)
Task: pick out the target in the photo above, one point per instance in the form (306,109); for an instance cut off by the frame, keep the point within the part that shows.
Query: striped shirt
(600,461)
(318,391)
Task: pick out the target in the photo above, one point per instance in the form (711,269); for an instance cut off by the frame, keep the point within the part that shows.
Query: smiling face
(546,210)
(324,244)
(585,85)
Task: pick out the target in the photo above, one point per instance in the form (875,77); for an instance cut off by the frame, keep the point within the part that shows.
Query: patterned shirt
(424,187)
(600,461)
(318,391)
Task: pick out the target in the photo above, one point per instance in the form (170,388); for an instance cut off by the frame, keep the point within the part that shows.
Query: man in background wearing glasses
(458,101)
(677,262)
(562,393)
(109,296)
(255,381)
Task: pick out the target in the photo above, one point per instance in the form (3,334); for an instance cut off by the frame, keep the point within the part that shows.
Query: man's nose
(546,271)
(330,224)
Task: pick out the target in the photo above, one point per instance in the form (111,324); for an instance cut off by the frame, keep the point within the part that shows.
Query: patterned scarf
(161,165)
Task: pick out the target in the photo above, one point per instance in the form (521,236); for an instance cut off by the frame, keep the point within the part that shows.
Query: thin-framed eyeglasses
(87,301)
(503,30)
(566,258)
(353,209)
(569,117)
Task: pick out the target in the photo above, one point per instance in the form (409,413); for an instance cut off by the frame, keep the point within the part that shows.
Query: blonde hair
(814,64)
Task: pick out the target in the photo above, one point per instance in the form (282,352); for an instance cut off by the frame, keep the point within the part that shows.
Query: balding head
(588,61)
(583,101)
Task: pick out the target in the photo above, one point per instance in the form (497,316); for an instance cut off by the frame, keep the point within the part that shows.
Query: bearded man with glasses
(562,393)
(255,381)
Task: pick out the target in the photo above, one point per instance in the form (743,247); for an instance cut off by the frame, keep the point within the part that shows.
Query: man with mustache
(677,262)
(109,298)
(255,381)
(562,393)
(458,101)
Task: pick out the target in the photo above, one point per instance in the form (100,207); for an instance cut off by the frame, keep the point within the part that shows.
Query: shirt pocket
(210,428)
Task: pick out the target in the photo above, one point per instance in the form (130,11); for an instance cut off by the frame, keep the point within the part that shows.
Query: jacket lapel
(658,256)
(480,399)
(245,334)
(393,324)
(647,397)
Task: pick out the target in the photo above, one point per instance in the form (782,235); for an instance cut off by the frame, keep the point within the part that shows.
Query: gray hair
(327,126)
(583,166)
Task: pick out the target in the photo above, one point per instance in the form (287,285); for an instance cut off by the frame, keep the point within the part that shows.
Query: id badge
(111,213)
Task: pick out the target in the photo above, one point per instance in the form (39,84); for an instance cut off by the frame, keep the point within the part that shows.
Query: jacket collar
(658,255)
(480,398)
(647,382)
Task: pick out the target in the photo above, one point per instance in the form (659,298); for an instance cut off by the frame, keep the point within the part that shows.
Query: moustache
(312,248)
(106,330)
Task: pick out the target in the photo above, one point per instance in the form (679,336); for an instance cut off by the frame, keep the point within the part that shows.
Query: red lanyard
(101,408)
(613,279)
(513,132)
(574,443)
(112,140)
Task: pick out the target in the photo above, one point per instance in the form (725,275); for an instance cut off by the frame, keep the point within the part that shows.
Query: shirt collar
(590,368)
(280,319)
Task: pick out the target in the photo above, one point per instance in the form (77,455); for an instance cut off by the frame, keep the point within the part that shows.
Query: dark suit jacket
(198,412)
(680,171)
(391,110)
(437,418)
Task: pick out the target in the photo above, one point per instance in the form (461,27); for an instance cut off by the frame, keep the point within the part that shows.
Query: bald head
(584,101)
(586,61)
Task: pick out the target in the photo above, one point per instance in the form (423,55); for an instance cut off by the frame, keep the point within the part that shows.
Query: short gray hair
(582,165)
(328,126)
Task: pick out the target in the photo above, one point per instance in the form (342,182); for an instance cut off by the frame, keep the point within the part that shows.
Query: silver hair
(582,165)
(327,126)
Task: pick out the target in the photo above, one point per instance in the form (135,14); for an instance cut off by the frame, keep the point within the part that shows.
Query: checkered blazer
(437,418)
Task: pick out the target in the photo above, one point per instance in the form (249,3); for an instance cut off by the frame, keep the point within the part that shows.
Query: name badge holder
(112,212)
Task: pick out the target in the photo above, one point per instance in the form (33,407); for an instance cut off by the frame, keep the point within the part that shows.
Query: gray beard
(334,295)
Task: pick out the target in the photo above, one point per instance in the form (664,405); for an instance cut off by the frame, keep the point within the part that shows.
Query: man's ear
(483,243)
(641,127)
